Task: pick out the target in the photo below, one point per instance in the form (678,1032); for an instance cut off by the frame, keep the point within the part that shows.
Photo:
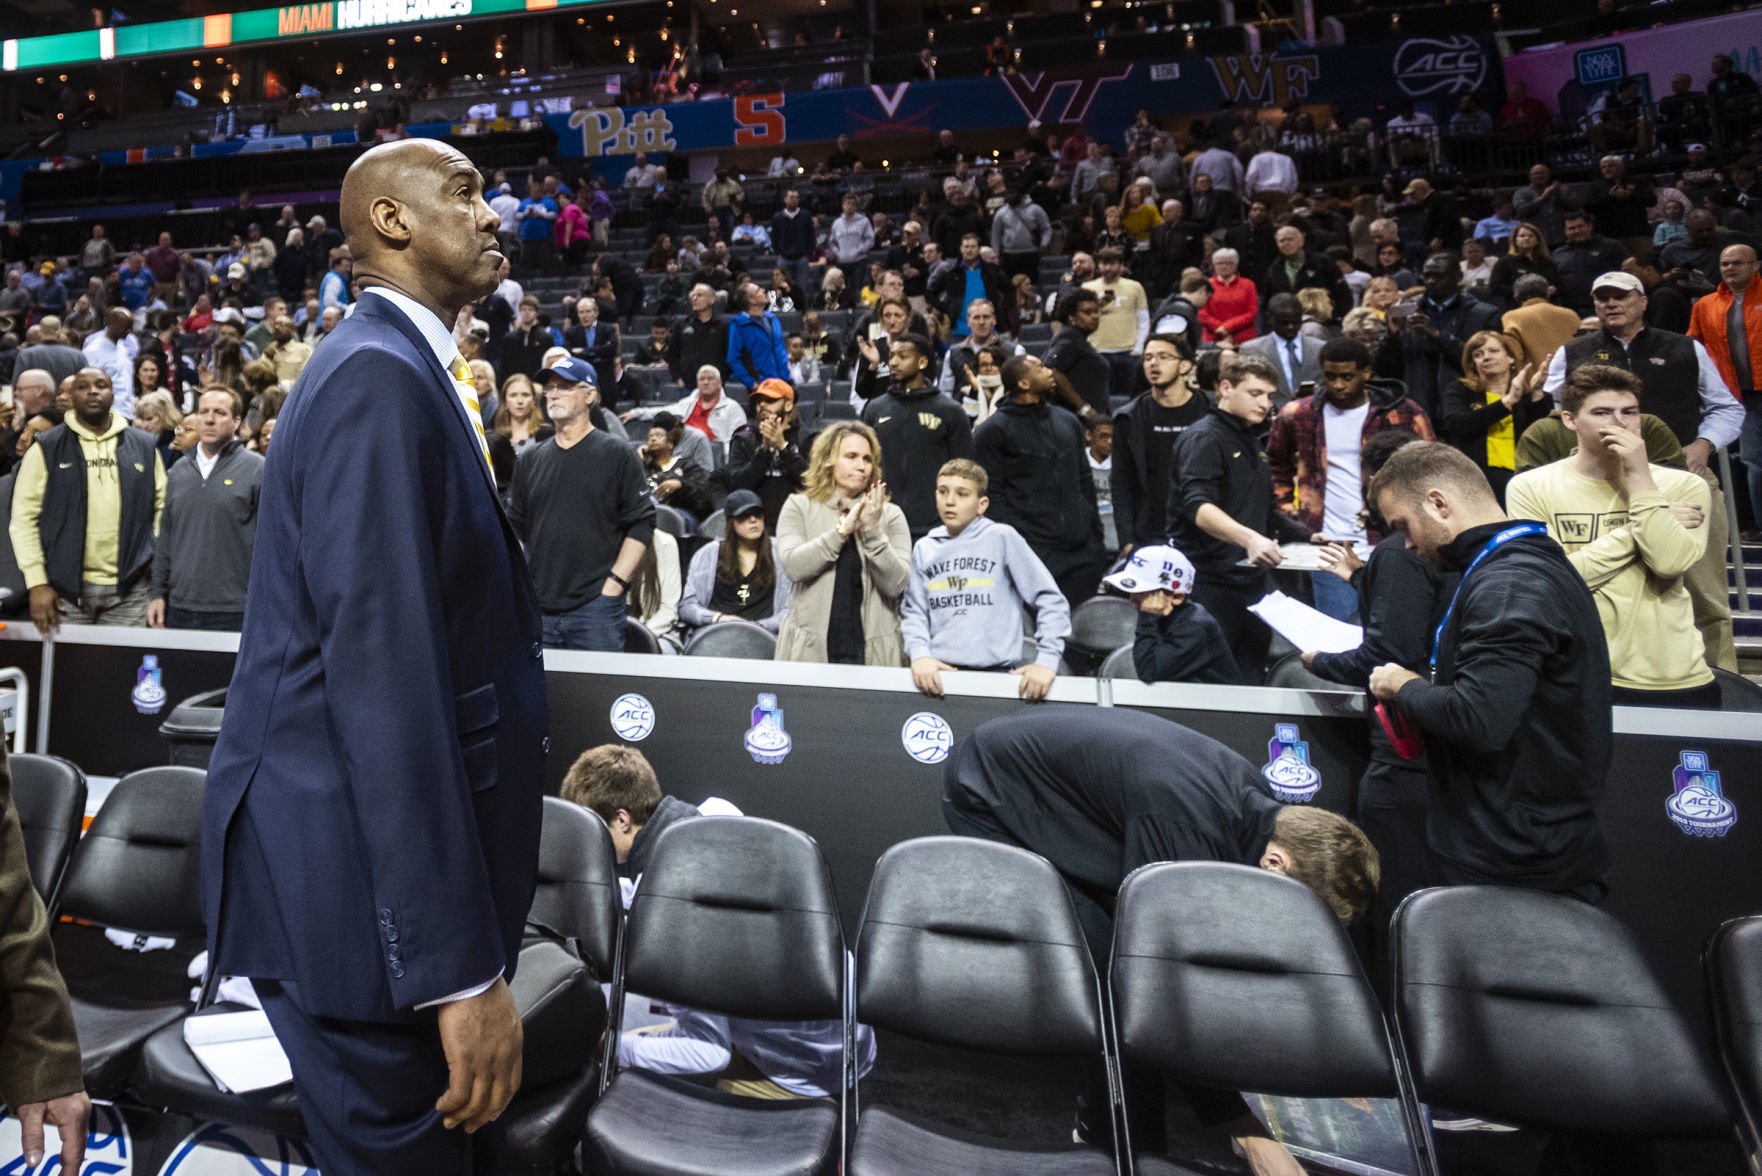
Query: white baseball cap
(1153,568)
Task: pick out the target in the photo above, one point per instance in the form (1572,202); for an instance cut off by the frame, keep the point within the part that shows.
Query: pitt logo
(612,131)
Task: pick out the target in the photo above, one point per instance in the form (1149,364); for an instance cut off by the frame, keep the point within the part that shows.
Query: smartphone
(1406,307)
(1306,388)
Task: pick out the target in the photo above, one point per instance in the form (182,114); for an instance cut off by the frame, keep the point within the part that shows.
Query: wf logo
(1252,77)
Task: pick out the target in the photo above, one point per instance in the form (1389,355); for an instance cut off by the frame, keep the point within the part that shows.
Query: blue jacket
(371,822)
(757,349)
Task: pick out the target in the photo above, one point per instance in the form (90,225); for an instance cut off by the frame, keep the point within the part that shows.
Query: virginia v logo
(1254,77)
(890,102)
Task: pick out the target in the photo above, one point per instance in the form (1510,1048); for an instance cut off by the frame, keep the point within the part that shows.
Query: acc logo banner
(1457,65)
(221,1150)
(108,1151)
(633,718)
(1698,805)
(1287,769)
(767,742)
(927,737)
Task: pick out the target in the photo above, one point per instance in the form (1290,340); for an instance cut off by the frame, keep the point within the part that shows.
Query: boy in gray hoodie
(970,578)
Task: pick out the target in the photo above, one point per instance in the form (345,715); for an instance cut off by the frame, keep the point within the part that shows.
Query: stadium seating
(1734,982)
(50,796)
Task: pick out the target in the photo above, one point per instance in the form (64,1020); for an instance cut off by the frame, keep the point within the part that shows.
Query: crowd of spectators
(1182,338)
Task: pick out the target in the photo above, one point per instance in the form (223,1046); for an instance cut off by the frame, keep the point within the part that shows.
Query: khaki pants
(102,604)
(1707,586)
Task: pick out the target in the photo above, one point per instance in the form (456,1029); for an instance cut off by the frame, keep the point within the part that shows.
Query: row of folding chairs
(1522,1007)
(1509,1005)
(138,868)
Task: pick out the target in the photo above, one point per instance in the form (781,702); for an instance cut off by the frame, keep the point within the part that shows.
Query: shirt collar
(427,324)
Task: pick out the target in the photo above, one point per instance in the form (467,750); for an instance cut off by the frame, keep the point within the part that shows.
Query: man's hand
(772,433)
(1307,657)
(45,609)
(69,1114)
(1688,514)
(1268,1157)
(1697,453)
(927,675)
(1263,552)
(1387,680)
(482,1038)
(1036,681)
(1157,604)
(155,614)
(1341,559)
(1630,450)
(1422,323)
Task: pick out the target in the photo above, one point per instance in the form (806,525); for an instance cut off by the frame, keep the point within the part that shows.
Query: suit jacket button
(391,934)
(396,969)
(538,649)
(385,917)
(545,746)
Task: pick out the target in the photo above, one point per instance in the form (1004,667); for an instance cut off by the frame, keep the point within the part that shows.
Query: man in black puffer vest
(84,512)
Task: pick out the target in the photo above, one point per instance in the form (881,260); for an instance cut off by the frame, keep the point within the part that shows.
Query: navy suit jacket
(371,822)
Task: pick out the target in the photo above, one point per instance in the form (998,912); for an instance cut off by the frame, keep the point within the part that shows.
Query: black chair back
(714,526)
(1236,977)
(1118,664)
(577,892)
(670,520)
(1102,624)
(139,866)
(736,915)
(1736,692)
(732,639)
(1536,1009)
(638,638)
(973,944)
(49,795)
(1734,982)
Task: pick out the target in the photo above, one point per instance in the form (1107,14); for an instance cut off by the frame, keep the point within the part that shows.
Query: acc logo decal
(108,1151)
(1454,65)
(927,737)
(768,742)
(1697,804)
(633,718)
(149,692)
(222,1150)
(1287,769)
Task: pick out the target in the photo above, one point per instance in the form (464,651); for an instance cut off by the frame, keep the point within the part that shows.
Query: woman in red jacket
(1229,317)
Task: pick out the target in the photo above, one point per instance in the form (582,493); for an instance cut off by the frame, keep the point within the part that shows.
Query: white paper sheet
(239,1050)
(1305,557)
(1304,627)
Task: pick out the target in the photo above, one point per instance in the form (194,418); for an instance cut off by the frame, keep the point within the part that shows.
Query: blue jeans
(1750,452)
(597,625)
(1335,597)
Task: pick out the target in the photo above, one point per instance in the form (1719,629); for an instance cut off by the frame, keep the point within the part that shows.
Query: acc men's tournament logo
(927,737)
(633,718)
(222,1150)
(1287,769)
(1452,65)
(108,1150)
(149,692)
(768,742)
(1698,805)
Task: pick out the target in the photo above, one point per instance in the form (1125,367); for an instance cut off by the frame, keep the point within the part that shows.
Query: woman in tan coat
(847,551)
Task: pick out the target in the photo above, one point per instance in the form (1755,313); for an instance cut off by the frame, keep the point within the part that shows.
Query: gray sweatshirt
(202,558)
(964,602)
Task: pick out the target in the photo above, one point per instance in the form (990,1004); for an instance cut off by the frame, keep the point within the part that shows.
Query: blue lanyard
(1492,545)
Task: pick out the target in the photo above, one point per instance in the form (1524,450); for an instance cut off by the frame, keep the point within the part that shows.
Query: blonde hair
(1316,303)
(967,468)
(1331,856)
(170,416)
(503,422)
(817,484)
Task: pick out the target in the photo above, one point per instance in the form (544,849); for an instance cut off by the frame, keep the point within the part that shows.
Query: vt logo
(1035,94)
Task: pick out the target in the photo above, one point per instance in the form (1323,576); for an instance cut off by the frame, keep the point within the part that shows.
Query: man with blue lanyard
(1516,715)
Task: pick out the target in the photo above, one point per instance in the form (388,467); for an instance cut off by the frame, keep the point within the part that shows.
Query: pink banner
(1566,77)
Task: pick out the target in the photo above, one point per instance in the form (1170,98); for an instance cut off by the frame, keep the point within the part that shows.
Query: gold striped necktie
(461,373)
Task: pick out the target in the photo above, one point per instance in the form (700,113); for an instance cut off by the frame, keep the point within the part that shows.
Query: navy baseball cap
(570,370)
(741,502)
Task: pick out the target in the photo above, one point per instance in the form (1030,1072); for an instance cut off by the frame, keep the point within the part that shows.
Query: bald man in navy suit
(371,824)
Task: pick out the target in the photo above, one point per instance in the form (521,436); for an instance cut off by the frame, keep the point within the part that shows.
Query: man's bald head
(415,219)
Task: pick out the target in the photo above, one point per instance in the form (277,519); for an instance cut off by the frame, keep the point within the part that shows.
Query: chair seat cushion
(890,1144)
(648,1125)
(112,1033)
(170,1077)
(543,1124)
(1157,1166)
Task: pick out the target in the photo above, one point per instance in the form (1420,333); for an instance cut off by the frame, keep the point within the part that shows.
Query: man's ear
(984,504)
(622,822)
(1276,859)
